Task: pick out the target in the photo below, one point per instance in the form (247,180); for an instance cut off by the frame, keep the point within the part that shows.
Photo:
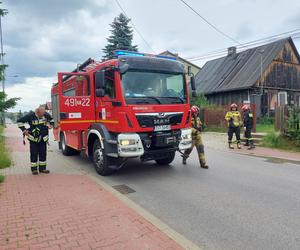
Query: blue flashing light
(118,53)
(127,53)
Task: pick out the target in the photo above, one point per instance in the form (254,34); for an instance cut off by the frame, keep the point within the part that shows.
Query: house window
(282,98)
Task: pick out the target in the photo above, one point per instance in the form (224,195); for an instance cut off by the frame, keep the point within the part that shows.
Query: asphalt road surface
(241,202)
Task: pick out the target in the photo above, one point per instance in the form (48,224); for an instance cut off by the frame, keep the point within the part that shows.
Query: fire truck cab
(136,105)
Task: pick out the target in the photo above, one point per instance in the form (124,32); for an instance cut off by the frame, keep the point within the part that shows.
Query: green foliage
(265,127)
(5,160)
(3,12)
(200,101)
(266,120)
(2,178)
(273,140)
(6,104)
(120,38)
(293,125)
(276,140)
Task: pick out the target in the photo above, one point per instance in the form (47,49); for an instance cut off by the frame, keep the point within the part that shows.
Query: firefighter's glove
(25,132)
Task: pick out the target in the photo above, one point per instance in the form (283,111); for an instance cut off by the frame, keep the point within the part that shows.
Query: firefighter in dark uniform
(234,120)
(248,125)
(38,136)
(197,139)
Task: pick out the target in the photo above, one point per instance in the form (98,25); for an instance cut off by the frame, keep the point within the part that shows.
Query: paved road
(241,202)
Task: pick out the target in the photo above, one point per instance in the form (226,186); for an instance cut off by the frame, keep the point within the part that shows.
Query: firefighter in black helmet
(197,139)
(234,119)
(38,136)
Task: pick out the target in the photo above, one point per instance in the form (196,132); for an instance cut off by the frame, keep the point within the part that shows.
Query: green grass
(265,128)
(2,177)
(275,140)
(215,129)
(5,160)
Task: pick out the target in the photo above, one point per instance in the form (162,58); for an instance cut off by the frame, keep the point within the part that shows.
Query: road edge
(163,227)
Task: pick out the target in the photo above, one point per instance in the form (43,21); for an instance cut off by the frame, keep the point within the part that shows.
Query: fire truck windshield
(144,87)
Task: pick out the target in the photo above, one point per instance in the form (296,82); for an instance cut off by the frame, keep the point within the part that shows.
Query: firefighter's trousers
(38,155)
(197,142)
(234,130)
(248,135)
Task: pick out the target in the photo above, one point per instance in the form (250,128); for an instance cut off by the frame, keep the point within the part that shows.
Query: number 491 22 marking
(74,102)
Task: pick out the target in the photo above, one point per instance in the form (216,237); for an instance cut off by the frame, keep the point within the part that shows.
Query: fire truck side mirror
(100,79)
(193,84)
(100,92)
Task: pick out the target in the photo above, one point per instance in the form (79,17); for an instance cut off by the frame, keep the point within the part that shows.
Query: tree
(120,38)
(6,104)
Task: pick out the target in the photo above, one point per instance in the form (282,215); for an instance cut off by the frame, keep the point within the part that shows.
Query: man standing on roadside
(38,135)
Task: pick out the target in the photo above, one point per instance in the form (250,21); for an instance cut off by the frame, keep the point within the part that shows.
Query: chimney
(231,51)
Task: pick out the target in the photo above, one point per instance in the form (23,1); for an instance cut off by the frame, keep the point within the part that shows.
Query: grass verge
(5,160)
(275,140)
(265,128)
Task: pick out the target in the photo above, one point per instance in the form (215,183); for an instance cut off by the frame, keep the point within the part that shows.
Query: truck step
(112,141)
(114,155)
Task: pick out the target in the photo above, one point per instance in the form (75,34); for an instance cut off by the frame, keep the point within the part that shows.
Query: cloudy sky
(44,37)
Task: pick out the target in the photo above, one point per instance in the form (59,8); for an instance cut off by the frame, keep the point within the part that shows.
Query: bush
(273,140)
(5,160)
(200,101)
(2,178)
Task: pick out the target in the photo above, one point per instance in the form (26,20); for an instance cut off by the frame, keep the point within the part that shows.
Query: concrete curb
(178,238)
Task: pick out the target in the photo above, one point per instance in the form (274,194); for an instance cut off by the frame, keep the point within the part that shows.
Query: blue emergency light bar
(118,53)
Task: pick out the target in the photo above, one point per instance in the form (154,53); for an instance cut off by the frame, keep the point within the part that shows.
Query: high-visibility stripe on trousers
(38,153)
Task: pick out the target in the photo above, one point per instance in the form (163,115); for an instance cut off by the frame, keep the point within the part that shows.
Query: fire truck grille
(155,119)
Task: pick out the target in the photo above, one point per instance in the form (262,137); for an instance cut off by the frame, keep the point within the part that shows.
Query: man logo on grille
(161,115)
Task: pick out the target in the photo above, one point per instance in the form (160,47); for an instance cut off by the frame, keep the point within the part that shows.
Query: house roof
(167,52)
(238,71)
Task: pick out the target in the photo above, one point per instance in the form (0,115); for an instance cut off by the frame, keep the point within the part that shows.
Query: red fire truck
(135,105)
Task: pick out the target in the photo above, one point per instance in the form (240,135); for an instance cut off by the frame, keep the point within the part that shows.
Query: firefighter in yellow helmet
(197,139)
(234,120)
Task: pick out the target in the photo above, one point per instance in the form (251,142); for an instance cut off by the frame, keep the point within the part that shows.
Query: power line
(294,34)
(133,25)
(209,23)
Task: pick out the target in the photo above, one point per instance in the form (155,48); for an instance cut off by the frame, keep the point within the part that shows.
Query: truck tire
(65,149)
(167,160)
(100,160)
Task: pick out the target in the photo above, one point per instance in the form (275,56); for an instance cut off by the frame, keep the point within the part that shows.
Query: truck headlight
(186,136)
(126,142)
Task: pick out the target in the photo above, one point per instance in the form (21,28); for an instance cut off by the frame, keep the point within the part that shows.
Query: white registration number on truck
(162,127)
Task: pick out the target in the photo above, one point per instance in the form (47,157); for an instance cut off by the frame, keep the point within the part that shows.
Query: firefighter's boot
(251,145)
(34,170)
(203,164)
(238,145)
(247,143)
(230,145)
(44,171)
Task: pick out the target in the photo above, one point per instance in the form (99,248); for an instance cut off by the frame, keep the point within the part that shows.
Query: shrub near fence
(287,121)
(213,116)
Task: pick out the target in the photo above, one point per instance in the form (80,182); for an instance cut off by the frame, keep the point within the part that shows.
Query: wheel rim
(98,157)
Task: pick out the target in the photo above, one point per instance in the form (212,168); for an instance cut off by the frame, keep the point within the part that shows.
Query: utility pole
(261,51)
(3,70)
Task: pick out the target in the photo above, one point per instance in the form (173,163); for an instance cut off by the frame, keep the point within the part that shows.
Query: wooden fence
(282,123)
(214,116)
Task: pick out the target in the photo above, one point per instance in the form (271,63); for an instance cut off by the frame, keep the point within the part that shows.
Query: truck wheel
(167,160)
(65,149)
(101,161)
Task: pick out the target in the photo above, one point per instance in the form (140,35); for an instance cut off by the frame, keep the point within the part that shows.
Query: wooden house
(268,76)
